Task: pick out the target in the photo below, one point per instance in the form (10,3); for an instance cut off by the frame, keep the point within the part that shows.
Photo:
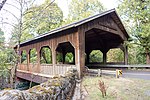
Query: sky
(63,4)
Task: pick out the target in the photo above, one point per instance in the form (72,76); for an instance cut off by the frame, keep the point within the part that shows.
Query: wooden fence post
(117,75)
(99,72)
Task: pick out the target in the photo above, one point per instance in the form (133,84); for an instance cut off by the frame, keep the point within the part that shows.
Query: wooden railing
(23,67)
(47,69)
(55,69)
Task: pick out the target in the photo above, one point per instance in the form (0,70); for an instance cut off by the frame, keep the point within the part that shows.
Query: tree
(96,56)
(48,17)
(4,72)
(115,55)
(18,28)
(21,26)
(2,38)
(69,57)
(136,13)
(2,4)
(80,9)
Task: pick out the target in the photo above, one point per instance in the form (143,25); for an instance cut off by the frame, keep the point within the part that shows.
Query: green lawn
(118,89)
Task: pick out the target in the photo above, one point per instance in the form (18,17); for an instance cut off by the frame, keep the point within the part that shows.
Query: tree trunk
(14,69)
(147,56)
(2,4)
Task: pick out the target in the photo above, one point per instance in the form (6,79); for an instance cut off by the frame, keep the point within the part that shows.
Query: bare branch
(13,6)
(49,4)
(12,14)
(32,2)
(9,24)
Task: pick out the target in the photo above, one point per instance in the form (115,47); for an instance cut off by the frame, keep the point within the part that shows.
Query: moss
(33,89)
(47,91)
(16,95)
(57,84)
(56,76)
(8,89)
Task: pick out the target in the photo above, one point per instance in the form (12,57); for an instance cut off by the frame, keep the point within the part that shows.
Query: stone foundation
(57,88)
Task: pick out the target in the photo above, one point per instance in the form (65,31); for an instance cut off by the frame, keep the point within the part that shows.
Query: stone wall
(57,88)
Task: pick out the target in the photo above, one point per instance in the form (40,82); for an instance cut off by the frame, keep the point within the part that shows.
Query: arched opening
(33,55)
(96,56)
(65,53)
(23,57)
(115,56)
(45,55)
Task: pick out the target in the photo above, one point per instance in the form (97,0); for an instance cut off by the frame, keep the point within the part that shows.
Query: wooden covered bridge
(99,32)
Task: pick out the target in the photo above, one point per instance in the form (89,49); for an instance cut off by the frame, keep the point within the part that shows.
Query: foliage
(3,57)
(42,18)
(11,55)
(4,72)
(2,38)
(69,58)
(24,57)
(136,13)
(80,9)
(7,61)
(59,57)
(33,55)
(7,58)
(136,54)
(96,56)
(46,55)
(115,55)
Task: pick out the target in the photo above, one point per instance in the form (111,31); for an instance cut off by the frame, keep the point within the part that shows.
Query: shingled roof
(76,24)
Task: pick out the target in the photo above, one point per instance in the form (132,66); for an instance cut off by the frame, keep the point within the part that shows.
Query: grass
(118,89)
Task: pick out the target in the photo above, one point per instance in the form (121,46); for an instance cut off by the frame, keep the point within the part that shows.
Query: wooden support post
(117,75)
(80,52)
(28,59)
(64,55)
(38,60)
(53,58)
(20,56)
(99,72)
(104,57)
(126,55)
